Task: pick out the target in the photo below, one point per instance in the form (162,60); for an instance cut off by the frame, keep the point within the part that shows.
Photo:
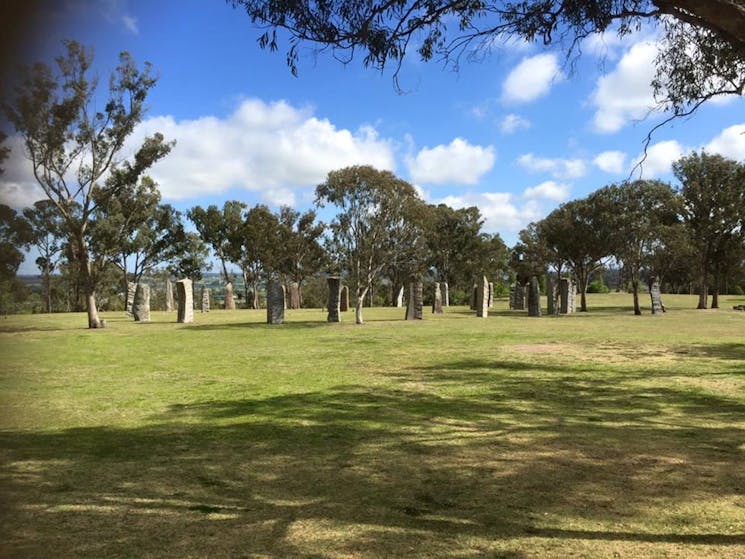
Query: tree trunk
(48,284)
(583,279)
(358,306)
(715,296)
(89,284)
(255,302)
(635,289)
(703,294)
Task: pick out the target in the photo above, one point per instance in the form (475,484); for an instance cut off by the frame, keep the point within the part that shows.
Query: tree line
(103,224)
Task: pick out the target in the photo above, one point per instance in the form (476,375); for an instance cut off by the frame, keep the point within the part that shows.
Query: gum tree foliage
(637,214)
(373,212)
(15,235)
(702,48)
(713,192)
(48,237)
(72,140)
(222,230)
(261,250)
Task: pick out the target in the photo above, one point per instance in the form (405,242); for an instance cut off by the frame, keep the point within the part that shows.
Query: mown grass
(594,435)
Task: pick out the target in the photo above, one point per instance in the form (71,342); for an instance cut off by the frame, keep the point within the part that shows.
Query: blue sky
(515,134)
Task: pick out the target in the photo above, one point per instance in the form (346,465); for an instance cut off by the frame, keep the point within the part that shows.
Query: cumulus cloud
(548,190)
(458,162)
(500,211)
(512,123)
(269,148)
(660,157)
(729,143)
(18,188)
(613,161)
(625,94)
(558,168)
(531,79)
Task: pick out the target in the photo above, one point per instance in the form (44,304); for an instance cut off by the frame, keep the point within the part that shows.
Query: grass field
(594,435)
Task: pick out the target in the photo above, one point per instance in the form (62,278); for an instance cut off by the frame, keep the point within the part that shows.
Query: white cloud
(549,190)
(512,123)
(459,163)
(500,212)
(625,94)
(531,79)
(271,148)
(558,168)
(603,45)
(18,187)
(611,161)
(130,23)
(660,157)
(729,143)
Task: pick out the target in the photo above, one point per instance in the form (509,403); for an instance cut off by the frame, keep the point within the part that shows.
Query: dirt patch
(541,348)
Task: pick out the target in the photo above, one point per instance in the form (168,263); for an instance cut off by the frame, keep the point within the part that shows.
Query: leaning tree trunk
(89,284)
(358,305)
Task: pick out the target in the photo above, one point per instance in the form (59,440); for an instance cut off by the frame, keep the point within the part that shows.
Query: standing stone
(534,297)
(551,295)
(517,297)
(474,297)
(400,298)
(141,303)
(229,299)
(169,296)
(334,283)
(185,300)
(656,295)
(567,296)
(491,294)
(131,289)
(445,294)
(415,310)
(275,303)
(344,300)
(437,301)
(482,298)
(205,299)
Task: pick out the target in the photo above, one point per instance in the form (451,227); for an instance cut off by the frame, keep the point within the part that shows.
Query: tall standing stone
(344,299)
(141,303)
(185,299)
(517,297)
(437,300)
(534,297)
(334,283)
(275,302)
(656,296)
(567,296)
(415,307)
(400,298)
(550,295)
(491,295)
(131,290)
(445,294)
(205,299)
(229,298)
(482,298)
(169,296)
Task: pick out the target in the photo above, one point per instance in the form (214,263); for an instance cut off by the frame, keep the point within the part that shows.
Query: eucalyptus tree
(261,239)
(300,253)
(636,214)
(372,209)
(48,237)
(713,192)
(72,144)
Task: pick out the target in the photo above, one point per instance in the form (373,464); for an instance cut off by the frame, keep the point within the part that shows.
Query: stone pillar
(169,296)
(445,294)
(141,303)
(534,297)
(344,299)
(205,299)
(275,302)
(400,298)
(482,298)
(567,296)
(437,301)
(334,283)
(491,294)
(229,299)
(185,301)
(414,310)
(131,289)
(656,296)
(550,295)
(518,297)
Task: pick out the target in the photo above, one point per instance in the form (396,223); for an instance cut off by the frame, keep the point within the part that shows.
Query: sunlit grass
(595,435)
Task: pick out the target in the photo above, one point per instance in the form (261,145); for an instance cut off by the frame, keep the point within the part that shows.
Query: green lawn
(594,435)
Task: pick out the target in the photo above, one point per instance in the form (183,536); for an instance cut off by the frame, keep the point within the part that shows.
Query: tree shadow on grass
(374,472)
(732,351)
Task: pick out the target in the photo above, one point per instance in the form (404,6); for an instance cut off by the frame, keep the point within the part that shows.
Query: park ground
(600,434)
